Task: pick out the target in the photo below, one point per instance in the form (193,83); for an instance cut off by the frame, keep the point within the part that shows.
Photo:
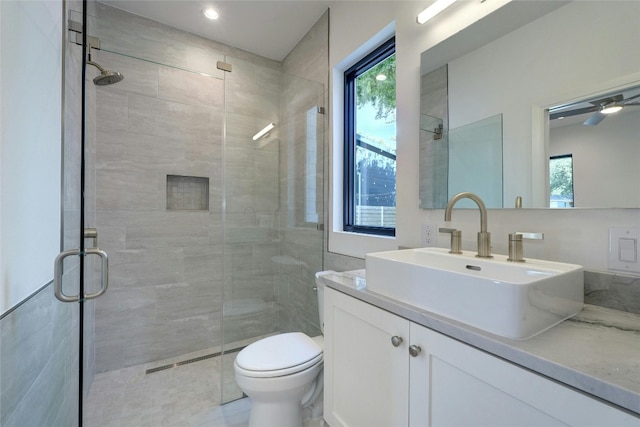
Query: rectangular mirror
(524,59)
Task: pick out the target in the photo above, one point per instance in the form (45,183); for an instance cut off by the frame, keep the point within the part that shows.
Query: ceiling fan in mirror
(600,108)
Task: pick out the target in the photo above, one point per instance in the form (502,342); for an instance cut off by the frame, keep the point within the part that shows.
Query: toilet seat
(279,355)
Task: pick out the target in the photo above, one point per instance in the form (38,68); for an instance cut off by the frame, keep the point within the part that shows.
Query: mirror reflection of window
(561,181)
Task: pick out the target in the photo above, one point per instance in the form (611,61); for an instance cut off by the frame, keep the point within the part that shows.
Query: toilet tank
(320,295)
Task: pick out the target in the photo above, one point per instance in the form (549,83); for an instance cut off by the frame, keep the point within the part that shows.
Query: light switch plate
(623,249)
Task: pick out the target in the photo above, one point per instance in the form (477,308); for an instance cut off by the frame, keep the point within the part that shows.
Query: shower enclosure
(213,234)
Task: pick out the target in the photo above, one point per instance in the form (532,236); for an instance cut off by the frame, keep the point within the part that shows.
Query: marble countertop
(596,351)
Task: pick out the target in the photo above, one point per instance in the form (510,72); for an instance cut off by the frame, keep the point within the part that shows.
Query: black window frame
(378,55)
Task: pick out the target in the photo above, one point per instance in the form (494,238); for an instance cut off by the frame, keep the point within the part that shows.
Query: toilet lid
(279,352)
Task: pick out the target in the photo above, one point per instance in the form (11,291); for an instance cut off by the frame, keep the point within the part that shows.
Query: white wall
(30,146)
(579,236)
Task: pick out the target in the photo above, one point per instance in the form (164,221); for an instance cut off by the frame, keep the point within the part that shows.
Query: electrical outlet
(429,235)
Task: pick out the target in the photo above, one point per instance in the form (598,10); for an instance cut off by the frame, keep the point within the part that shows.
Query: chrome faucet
(484,237)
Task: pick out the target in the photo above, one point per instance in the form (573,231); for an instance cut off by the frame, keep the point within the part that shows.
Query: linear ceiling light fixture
(264,131)
(433,10)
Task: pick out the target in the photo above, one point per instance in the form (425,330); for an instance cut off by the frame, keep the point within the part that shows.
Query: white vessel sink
(512,300)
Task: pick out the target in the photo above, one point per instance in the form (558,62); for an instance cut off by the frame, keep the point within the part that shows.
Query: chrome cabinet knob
(414,350)
(396,341)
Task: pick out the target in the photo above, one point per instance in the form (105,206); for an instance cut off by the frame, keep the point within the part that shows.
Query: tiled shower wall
(171,269)
(302,165)
(39,363)
(165,289)
(251,193)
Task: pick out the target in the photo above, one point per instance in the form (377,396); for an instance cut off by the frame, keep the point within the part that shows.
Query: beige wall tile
(190,88)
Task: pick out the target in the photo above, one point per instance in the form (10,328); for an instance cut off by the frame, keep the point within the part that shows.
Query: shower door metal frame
(84,233)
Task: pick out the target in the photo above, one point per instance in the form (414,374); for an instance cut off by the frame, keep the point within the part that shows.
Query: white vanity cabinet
(371,382)
(366,377)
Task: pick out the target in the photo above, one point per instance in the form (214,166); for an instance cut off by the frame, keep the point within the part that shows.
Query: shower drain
(193,360)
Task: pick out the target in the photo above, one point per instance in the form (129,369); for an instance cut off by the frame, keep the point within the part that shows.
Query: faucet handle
(446,230)
(518,202)
(456,239)
(515,244)
(530,235)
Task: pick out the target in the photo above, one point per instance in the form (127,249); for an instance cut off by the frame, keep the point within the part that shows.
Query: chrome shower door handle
(57,274)
(104,277)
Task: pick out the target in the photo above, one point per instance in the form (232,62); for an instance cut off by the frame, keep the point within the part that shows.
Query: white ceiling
(266,28)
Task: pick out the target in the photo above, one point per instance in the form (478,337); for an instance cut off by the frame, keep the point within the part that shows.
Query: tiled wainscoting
(39,363)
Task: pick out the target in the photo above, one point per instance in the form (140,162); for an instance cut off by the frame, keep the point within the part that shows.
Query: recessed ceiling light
(210,13)
(381,77)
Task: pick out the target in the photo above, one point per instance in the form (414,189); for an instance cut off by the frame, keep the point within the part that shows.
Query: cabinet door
(366,376)
(454,384)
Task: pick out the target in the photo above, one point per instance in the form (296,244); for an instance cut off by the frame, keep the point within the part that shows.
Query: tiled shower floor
(186,395)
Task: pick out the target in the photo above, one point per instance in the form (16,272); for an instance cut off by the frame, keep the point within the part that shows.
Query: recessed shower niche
(187,193)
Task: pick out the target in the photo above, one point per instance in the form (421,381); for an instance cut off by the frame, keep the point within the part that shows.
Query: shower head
(106,77)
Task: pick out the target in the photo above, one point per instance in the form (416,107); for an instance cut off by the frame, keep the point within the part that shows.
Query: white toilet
(282,375)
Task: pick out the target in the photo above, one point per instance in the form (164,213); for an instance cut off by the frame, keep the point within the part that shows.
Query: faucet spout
(484,237)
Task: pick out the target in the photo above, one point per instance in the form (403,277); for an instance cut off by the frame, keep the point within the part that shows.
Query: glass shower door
(153,171)
(273,234)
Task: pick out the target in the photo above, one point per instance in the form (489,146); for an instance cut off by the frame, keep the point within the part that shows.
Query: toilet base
(278,401)
(317,409)
(272,414)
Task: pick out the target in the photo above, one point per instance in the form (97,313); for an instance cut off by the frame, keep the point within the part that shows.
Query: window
(370,143)
(561,181)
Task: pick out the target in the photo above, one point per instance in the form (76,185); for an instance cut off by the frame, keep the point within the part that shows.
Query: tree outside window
(561,181)
(370,143)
